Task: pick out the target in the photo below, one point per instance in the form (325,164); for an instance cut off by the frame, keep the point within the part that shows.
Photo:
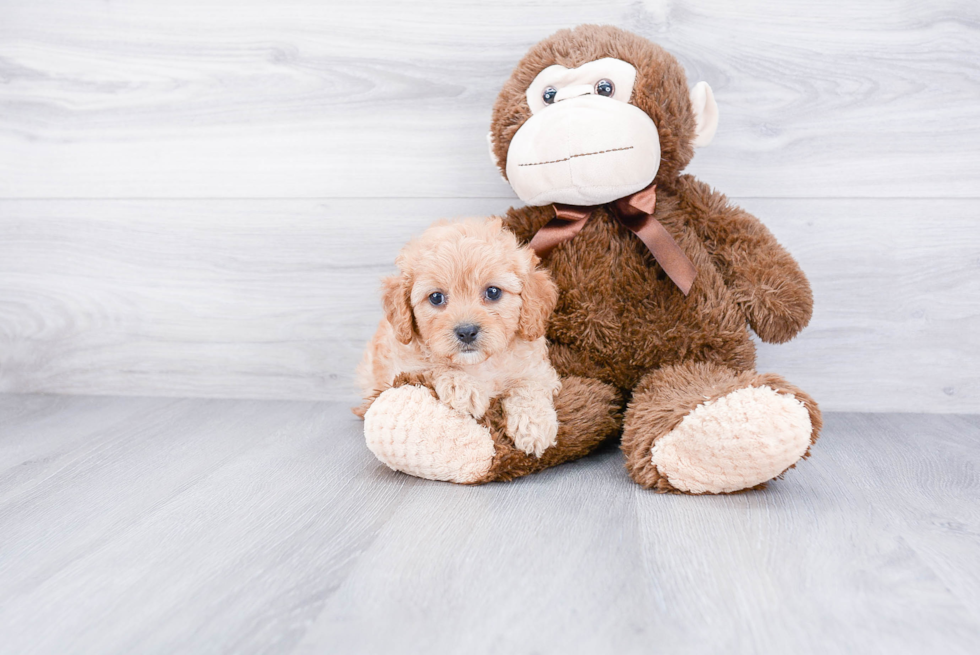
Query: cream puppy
(467,314)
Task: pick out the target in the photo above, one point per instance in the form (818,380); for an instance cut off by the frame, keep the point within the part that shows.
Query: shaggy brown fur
(620,320)
(665,396)
(588,414)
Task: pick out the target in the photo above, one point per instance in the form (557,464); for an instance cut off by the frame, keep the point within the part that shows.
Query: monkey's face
(594,114)
(584,144)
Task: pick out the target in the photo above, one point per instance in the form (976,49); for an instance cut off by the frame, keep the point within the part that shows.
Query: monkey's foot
(740,440)
(699,428)
(410,431)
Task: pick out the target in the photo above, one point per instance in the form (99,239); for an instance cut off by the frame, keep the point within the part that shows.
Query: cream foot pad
(412,432)
(734,442)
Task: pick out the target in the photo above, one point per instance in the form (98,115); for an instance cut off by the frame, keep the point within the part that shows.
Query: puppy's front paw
(461,394)
(533,425)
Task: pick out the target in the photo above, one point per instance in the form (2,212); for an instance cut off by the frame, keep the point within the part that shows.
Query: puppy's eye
(492,293)
(605,88)
(437,299)
(549,95)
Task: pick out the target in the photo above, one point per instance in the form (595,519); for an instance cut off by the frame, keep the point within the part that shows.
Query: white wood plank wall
(198,197)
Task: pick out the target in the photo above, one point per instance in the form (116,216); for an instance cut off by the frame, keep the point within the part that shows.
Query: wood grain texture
(276,299)
(254,98)
(360,122)
(162,519)
(160,526)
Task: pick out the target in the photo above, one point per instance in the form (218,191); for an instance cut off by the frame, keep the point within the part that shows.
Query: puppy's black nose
(467,333)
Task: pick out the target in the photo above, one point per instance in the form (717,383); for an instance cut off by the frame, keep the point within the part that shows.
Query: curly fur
(508,359)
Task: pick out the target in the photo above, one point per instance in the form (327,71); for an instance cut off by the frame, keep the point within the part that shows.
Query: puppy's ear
(395,292)
(539,297)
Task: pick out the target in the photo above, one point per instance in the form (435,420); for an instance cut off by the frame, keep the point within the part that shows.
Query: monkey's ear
(395,290)
(705,113)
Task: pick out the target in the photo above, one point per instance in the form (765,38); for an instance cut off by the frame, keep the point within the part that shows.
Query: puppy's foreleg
(462,393)
(531,419)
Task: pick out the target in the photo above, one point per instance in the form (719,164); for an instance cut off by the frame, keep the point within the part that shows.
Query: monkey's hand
(767,282)
(462,393)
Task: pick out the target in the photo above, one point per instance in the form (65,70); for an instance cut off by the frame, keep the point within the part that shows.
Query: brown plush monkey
(660,278)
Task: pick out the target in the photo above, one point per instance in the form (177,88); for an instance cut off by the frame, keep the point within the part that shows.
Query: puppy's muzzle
(467,333)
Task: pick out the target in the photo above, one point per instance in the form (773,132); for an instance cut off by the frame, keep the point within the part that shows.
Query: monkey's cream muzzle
(586,150)
(580,146)
(585,144)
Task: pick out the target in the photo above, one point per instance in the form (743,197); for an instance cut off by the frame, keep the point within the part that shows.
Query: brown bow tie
(635,212)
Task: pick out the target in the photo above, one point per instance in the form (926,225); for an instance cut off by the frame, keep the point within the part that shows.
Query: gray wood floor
(157,525)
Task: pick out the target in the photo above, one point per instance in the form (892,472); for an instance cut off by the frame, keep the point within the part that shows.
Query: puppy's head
(466,290)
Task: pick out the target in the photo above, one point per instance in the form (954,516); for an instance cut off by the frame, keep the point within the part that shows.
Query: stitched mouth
(583,154)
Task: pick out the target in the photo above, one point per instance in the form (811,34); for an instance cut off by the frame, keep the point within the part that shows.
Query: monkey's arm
(526,221)
(768,283)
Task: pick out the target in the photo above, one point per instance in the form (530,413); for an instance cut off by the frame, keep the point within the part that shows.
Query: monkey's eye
(492,293)
(605,88)
(549,95)
(437,299)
